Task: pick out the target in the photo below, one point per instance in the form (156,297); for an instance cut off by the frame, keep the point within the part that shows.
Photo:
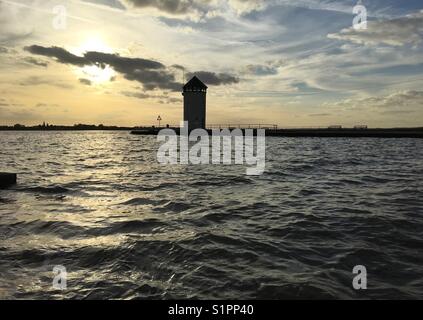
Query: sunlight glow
(96,74)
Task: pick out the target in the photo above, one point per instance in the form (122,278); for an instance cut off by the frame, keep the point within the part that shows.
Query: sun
(96,74)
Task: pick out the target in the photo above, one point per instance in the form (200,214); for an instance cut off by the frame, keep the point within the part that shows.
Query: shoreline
(299,132)
(323,133)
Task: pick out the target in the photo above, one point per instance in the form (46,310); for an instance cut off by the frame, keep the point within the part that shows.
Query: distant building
(195,93)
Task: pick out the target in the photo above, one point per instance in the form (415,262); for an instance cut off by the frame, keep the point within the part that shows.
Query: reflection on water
(126,227)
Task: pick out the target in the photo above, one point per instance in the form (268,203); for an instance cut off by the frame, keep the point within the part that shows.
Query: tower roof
(195,83)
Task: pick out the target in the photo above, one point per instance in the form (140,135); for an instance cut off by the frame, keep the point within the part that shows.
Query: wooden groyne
(322,132)
(7,179)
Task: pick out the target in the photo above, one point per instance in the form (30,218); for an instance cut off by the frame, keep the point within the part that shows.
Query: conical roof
(195,83)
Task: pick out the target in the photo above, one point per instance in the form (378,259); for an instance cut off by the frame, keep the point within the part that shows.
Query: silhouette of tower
(195,93)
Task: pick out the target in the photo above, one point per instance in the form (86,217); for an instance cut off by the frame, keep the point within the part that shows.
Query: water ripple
(126,227)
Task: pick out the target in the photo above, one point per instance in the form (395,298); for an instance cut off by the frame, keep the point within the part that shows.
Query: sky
(290,63)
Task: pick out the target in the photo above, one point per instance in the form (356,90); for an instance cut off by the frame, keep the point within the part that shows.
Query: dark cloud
(172,101)
(163,99)
(170,6)
(37,81)
(122,64)
(398,112)
(85,81)
(178,7)
(6,103)
(154,79)
(179,67)
(319,115)
(46,106)
(3,50)
(138,95)
(60,54)
(214,79)
(261,70)
(35,62)
(151,74)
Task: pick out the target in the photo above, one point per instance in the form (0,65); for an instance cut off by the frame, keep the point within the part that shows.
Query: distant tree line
(52,127)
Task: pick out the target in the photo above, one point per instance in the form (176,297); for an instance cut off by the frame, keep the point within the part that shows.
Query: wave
(142,201)
(126,227)
(46,190)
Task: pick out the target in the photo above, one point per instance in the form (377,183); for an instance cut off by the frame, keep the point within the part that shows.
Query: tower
(195,93)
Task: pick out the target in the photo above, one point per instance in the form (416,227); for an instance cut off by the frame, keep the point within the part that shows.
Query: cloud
(214,79)
(18,115)
(178,67)
(12,29)
(319,115)
(397,101)
(61,55)
(162,99)
(41,105)
(242,6)
(395,32)
(35,62)
(85,82)
(138,95)
(116,4)
(204,8)
(213,8)
(171,101)
(169,6)
(121,64)
(151,74)
(37,81)
(261,70)
(15,112)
